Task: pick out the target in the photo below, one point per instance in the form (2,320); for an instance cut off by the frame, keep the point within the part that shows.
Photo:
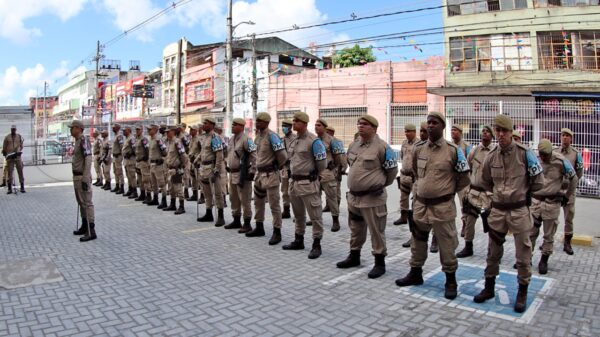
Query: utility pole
(229,74)
(97,59)
(254,83)
(178,82)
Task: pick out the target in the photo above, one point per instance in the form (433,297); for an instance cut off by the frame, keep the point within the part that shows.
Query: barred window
(569,50)
(403,114)
(498,52)
(344,121)
(463,7)
(564,3)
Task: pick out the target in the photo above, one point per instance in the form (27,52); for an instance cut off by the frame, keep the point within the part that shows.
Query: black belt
(234,170)
(208,162)
(116,155)
(550,198)
(77,173)
(140,160)
(297,177)
(509,205)
(477,188)
(435,201)
(158,161)
(407,173)
(266,169)
(375,192)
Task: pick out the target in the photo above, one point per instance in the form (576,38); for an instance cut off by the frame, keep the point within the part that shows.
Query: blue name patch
(276,143)
(461,162)
(318,149)
(533,164)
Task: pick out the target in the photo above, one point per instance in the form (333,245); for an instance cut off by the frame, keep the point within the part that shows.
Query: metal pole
(254,84)
(229,74)
(45,120)
(178,82)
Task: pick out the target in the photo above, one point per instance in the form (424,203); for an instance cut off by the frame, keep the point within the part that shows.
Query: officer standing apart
(129,160)
(210,159)
(270,158)
(97,152)
(106,159)
(406,175)
(574,157)
(558,177)
(12,148)
(373,167)
(343,165)
(241,164)
(142,164)
(511,172)
(82,180)
(477,200)
(288,137)
(176,161)
(308,159)
(157,150)
(442,171)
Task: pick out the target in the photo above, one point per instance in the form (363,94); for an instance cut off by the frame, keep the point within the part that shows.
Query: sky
(51,40)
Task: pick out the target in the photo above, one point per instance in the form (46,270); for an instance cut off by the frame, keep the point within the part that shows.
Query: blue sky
(45,40)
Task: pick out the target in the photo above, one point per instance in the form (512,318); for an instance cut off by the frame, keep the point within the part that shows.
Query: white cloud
(13,15)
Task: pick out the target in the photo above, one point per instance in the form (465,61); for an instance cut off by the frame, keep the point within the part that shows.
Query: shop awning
(566,94)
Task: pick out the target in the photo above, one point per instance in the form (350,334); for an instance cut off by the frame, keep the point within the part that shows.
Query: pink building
(395,93)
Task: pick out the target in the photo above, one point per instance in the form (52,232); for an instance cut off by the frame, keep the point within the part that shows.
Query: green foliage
(354,56)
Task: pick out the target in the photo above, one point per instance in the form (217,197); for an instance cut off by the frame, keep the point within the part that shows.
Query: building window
(463,7)
(565,3)
(569,50)
(344,121)
(402,114)
(498,52)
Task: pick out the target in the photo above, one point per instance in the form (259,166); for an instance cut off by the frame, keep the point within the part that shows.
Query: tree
(354,56)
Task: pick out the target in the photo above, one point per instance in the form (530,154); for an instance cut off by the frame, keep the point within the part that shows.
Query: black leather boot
(297,244)
(116,189)
(259,230)
(148,198)
(91,235)
(336,223)
(201,200)
(488,292)
(353,260)
(129,191)
(434,245)
(83,229)
(275,237)
(413,278)
(220,218)
(142,195)
(407,243)
(194,196)
(379,267)
(106,186)
(543,265)
(121,189)
(567,244)
(154,201)
(208,217)
(4,183)
(451,287)
(286,212)
(22,188)
(521,303)
(326,209)
(181,209)
(172,206)
(403,219)
(315,252)
(467,251)
(247,227)
(186,193)
(235,223)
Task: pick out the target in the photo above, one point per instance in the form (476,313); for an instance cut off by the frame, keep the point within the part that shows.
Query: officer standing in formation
(406,178)
(456,133)
(157,152)
(117,154)
(97,155)
(82,181)
(559,175)
(176,161)
(12,148)
(106,160)
(129,160)
(373,167)
(193,152)
(288,137)
(142,164)
(209,163)
(343,165)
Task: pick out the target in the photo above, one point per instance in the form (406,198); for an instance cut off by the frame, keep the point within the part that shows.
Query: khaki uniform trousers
(549,212)
(130,172)
(285,186)
(569,208)
(187,177)
(330,189)
(194,177)
(97,167)
(462,194)
(305,202)
(158,174)
(84,198)
(211,187)
(118,170)
(144,178)
(479,200)
(338,191)
(406,186)
(175,187)
(240,197)
(106,169)
(440,218)
(11,164)
(266,185)
(373,219)
(518,221)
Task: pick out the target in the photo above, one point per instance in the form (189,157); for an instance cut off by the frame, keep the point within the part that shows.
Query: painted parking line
(362,270)
(197,230)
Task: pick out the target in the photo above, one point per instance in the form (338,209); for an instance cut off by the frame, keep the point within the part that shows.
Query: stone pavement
(153,273)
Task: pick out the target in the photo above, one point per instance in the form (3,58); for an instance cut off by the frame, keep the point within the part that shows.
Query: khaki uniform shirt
(308,159)
(129,147)
(241,146)
(142,149)
(465,147)
(157,148)
(176,157)
(194,150)
(117,145)
(12,144)
(373,166)
(558,175)
(475,159)
(97,150)
(211,150)
(333,158)
(269,150)
(343,165)
(574,157)
(82,159)
(406,156)
(106,150)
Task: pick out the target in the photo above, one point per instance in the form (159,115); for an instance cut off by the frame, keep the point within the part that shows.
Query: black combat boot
(129,191)
(413,278)
(353,260)
(186,193)
(297,244)
(121,189)
(220,218)
(567,244)
(106,186)
(163,202)
(521,303)
(91,235)
(487,292)
(97,183)
(403,219)
(134,194)
(194,196)
(309,223)
(22,188)
(154,201)
(326,209)
(543,265)
(181,209)
(275,237)
(259,230)
(116,189)
(172,206)
(434,245)
(9,189)
(407,243)
(235,223)
(83,229)
(142,195)
(467,251)
(286,212)
(315,252)
(451,287)
(379,267)
(202,199)
(224,201)
(148,198)
(336,223)
(4,183)
(247,227)
(208,217)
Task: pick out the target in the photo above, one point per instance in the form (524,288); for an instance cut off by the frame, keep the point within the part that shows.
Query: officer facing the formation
(270,158)
(343,166)
(457,138)
(288,137)
(209,163)
(157,151)
(82,181)
(97,152)
(511,172)
(574,157)
(129,160)
(241,165)
(477,200)
(441,170)
(176,161)
(373,167)
(117,153)
(106,159)
(12,148)
(558,177)
(327,178)
(142,164)
(193,151)
(406,178)
(308,159)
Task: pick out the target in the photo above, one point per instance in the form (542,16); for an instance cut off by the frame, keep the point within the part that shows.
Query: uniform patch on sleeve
(337,147)
(216,144)
(120,139)
(180,148)
(391,160)
(461,162)
(569,171)
(276,143)
(578,161)
(251,145)
(318,149)
(145,142)
(161,145)
(533,164)
(186,140)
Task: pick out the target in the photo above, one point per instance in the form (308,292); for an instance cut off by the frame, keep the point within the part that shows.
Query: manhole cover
(28,272)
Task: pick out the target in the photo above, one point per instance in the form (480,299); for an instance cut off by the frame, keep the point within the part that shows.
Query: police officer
(223,166)
(241,165)
(558,176)
(142,164)
(157,152)
(106,160)
(129,160)
(209,161)
(186,139)
(516,136)
(270,158)
(288,137)
(117,154)
(162,130)
(176,161)
(97,152)
(341,169)
(511,172)
(406,174)
(327,178)
(308,159)
(193,151)
(456,134)
(12,148)
(442,171)
(373,167)
(82,180)
(574,157)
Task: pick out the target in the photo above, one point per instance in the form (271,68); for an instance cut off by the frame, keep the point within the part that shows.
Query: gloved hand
(250,177)
(85,186)
(564,201)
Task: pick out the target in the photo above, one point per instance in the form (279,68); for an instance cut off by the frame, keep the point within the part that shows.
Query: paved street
(154,273)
